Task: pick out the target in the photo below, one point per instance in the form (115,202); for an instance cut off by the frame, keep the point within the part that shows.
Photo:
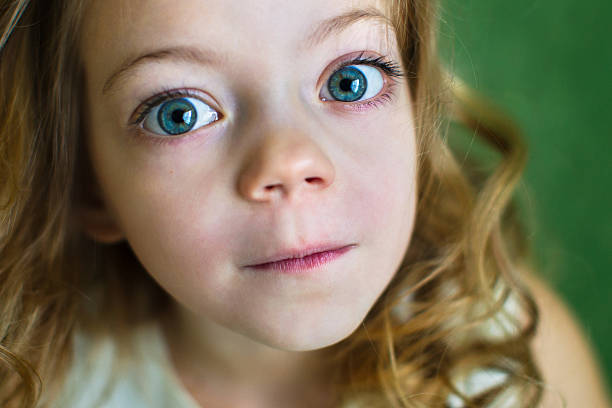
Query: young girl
(252,204)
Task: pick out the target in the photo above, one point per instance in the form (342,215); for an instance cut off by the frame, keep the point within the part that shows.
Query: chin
(309,337)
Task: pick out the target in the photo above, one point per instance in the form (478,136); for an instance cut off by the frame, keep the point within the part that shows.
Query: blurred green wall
(548,63)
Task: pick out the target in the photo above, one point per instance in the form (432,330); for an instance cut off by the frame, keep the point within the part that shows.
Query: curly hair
(444,315)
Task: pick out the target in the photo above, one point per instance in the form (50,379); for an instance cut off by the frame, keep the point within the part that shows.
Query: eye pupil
(177,116)
(348,84)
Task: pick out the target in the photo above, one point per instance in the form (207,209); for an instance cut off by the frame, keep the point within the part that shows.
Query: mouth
(305,258)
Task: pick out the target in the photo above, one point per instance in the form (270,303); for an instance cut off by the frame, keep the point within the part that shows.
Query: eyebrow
(321,31)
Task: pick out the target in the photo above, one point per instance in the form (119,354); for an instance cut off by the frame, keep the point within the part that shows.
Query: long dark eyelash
(147,106)
(389,67)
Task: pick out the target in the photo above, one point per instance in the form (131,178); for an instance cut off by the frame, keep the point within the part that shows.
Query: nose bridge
(284,158)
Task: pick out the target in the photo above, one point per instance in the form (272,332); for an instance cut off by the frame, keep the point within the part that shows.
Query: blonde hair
(462,264)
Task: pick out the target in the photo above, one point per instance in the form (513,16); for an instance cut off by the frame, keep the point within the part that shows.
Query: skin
(284,167)
(562,350)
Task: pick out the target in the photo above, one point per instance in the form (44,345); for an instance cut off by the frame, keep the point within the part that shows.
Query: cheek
(178,231)
(179,211)
(379,169)
(384,167)
(171,211)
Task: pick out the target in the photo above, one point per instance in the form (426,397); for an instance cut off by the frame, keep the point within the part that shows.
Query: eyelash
(389,68)
(147,106)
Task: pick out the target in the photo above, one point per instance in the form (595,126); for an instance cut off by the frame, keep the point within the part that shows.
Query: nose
(285,164)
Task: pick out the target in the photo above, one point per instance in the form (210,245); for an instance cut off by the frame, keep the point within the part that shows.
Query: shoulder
(103,376)
(569,368)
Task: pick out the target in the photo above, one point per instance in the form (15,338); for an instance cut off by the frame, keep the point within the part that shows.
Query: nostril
(313,180)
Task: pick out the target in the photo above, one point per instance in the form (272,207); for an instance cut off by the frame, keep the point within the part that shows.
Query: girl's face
(264,145)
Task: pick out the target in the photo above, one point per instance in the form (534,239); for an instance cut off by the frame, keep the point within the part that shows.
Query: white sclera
(206,115)
(374,86)
(374,78)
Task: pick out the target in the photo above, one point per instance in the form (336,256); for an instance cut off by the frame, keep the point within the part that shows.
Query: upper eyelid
(355,58)
(145,107)
(372,62)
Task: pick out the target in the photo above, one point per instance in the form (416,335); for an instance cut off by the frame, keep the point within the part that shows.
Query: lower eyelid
(143,136)
(367,105)
(384,96)
(204,108)
(164,95)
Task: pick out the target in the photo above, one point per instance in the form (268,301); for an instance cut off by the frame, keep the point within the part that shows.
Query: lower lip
(305,263)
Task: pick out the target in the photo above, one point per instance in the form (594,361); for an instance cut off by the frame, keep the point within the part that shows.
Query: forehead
(118,29)
(273,18)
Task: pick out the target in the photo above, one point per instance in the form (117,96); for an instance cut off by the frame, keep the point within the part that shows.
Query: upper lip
(300,252)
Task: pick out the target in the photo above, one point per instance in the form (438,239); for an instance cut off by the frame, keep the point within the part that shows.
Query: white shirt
(147,379)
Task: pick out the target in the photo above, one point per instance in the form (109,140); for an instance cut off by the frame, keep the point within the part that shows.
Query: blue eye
(180,115)
(355,82)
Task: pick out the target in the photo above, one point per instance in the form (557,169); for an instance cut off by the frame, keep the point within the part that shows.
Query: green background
(548,64)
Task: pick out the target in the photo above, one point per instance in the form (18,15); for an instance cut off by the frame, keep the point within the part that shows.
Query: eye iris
(347,85)
(177,116)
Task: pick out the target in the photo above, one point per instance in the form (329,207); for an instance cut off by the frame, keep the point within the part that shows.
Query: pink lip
(303,259)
